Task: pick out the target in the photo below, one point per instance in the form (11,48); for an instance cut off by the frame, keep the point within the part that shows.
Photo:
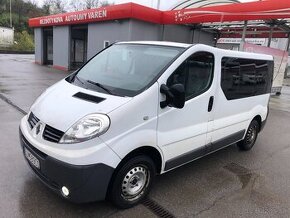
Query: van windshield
(125,69)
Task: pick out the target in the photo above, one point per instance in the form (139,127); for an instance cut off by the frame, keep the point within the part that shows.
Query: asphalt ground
(228,183)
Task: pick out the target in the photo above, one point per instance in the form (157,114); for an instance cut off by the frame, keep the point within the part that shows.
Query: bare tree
(77,5)
(53,6)
(105,3)
(33,2)
(97,3)
(91,4)
(58,6)
(47,6)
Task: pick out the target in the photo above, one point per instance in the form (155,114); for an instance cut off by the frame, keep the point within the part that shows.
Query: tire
(140,173)
(251,136)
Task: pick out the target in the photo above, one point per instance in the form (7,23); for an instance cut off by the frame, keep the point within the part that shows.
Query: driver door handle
(210,103)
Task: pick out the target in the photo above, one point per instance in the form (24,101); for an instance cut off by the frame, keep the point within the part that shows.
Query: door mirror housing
(175,96)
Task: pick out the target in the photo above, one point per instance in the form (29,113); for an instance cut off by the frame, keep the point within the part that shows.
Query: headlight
(87,128)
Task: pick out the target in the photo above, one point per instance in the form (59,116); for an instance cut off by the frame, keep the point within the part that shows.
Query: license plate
(31,158)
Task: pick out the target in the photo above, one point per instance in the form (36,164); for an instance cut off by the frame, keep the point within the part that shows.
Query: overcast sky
(165,4)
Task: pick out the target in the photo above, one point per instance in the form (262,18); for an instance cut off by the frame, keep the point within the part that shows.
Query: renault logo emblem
(37,129)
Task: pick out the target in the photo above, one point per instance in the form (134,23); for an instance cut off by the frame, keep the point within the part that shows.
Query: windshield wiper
(76,77)
(101,86)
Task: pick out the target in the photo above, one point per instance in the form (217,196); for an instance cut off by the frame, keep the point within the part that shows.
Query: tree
(106,3)
(46,7)
(24,42)
(77,5)
(3,5)
(33,2)
(91,4)
(58,6)
(54,6)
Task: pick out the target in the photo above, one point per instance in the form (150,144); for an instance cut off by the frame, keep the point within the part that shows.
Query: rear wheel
(251,136)
(132,182)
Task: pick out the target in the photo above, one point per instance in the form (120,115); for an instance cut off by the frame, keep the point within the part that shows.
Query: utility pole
(287,50)
(10,15)
(158,4)
(244,35)
(270,35)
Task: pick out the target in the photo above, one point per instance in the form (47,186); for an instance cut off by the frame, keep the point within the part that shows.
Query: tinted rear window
(243,78)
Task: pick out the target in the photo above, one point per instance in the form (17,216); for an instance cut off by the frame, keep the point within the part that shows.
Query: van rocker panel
(202,151)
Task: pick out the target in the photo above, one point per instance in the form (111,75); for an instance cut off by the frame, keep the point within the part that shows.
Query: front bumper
(85,183)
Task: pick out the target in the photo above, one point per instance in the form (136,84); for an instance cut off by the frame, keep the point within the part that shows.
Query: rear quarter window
(242,78)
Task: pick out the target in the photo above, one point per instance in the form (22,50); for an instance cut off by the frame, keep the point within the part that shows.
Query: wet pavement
(282,102)
(228,183)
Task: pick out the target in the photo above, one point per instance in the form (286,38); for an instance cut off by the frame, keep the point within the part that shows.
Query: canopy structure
(266,18)
(199,4)
(259,10)
(255,30)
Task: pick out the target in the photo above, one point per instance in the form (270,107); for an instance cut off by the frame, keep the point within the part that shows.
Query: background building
(66,41)
(6,36)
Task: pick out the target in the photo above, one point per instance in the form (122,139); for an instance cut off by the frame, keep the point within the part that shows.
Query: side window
(195,74)
(242,78)
(264,77)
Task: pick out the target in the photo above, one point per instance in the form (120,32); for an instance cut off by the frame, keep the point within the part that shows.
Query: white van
(139,109)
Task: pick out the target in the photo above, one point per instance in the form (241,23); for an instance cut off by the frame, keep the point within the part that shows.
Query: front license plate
(31,158)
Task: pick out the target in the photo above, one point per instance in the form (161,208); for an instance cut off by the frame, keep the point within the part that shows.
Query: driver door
(182,133)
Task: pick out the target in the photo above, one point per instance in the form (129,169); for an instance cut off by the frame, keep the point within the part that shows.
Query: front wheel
(251,136)
(132,182)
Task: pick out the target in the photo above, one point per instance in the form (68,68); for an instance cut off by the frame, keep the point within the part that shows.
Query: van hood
(63,104)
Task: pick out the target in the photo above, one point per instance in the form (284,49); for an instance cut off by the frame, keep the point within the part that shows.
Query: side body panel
(134,124)
(182,133)
(234,116)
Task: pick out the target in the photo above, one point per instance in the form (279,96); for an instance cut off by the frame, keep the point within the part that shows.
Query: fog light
(65,191)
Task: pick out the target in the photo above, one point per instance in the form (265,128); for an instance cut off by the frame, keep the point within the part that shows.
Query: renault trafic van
(139,109)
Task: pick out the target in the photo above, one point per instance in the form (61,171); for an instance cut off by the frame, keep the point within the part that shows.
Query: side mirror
(175,96)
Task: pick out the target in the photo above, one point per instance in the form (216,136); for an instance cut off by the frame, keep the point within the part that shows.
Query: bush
(23,42)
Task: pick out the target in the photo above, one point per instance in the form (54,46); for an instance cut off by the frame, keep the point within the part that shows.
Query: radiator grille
(51,134)
(32,120)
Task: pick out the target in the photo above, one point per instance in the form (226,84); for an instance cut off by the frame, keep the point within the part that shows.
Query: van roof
(223,52)
(164,43)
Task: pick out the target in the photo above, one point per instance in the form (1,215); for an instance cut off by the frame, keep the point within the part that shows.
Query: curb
(15,52)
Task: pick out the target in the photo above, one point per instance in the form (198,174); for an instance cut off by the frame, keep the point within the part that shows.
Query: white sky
(164,5)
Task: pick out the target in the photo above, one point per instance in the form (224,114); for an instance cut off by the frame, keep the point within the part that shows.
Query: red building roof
(114,12)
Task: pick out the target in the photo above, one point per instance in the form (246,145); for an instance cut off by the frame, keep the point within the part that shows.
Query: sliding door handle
(210,103)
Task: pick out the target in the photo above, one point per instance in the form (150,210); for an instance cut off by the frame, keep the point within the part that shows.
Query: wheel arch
(258,118)
(150,151)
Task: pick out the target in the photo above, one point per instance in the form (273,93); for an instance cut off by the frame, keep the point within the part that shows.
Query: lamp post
(10,15)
